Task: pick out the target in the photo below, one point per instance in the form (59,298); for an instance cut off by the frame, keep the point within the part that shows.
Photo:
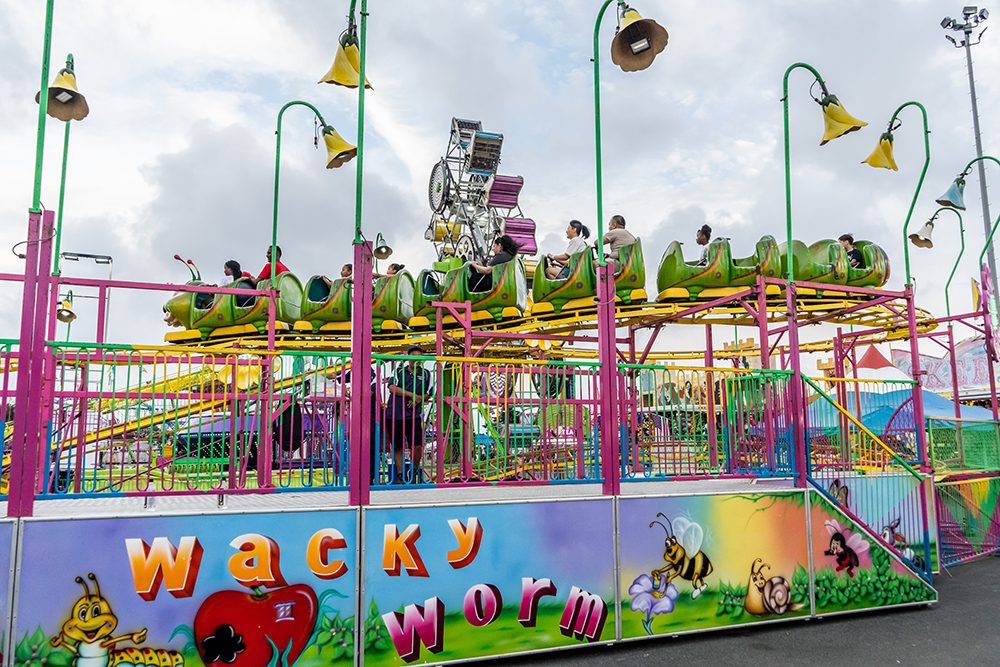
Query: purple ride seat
(522,230)
(504,190)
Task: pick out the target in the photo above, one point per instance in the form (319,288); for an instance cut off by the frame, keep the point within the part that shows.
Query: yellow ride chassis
(582,315)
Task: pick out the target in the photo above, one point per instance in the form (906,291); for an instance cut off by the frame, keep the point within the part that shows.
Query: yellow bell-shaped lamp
(955,196)
(836,121)
(65,100)
(64,313)
(881,157)
(346,68)
(637,41)
(922,238)
(338,151)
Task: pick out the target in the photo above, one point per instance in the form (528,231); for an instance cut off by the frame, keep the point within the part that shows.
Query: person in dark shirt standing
(409,388)
(853,254)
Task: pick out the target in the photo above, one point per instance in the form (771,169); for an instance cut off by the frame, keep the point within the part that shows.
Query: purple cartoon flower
(652,599)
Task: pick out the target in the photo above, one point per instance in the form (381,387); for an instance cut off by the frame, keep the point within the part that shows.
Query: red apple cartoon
(233,627)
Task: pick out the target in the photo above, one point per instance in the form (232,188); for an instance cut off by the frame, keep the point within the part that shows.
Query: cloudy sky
(177,155)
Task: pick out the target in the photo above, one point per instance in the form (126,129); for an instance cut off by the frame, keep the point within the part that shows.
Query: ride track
(879,312)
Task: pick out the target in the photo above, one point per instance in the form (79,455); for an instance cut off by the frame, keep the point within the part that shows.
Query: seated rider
(854,256)
(346,272)
(233,272)
(702,237)
(391,271)
(558,265)
(617,237)
(280,268)
(503,250)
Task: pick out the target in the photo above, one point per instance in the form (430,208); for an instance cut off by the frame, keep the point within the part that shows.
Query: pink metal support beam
(23,445)
(839,289)
(918,391)
(608,374)
(796,390)
(361,364)
(713,444)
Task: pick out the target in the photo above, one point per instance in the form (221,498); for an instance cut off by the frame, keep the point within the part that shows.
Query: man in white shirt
(558,265)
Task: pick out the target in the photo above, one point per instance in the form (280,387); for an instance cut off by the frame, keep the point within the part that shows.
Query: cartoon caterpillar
(766,596)
(87,634)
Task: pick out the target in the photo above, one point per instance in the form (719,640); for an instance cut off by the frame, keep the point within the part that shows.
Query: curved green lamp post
(837,122)
(954,198)
(961,251)
(882,157)
(339,152)
(636,44)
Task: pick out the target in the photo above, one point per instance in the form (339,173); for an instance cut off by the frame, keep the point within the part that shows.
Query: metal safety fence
(963,444)
(131,422)
(462,421)
(689,422)
(968,516)
(866,478)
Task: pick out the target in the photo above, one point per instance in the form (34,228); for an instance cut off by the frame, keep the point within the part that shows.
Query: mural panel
(464,581)
(710,561)
(237,589)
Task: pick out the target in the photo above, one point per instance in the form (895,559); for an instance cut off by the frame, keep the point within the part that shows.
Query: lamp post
(25,440)
(339,152)
(636,43)
(882,157)
(65,312)
(954,198)
(837,122)
(74,107)
(972,17)
(961,251)
(348,70)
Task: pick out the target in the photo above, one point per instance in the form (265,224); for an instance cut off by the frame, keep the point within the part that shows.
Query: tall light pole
(972,18)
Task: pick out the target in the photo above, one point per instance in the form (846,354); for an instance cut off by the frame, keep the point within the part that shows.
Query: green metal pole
(69,297)
(62,191)
(43,107)
(920,182)
(788,164)
(277,168)
(362,43)
(961,228)
(989,239)
(597,131)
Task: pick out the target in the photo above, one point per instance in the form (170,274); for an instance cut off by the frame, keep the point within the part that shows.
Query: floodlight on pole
(973,17)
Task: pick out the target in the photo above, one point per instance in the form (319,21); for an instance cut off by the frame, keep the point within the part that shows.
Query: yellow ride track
(581,315)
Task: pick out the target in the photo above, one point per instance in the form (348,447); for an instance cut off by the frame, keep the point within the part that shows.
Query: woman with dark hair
(391,271)
(503,250)
(558,265)
(234,271)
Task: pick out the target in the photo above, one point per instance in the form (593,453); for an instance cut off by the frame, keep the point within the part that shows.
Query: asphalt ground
(963,628)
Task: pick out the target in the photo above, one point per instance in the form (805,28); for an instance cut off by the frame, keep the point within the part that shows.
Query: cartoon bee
(87,634)
(766,596)
(844,546)
(679,564)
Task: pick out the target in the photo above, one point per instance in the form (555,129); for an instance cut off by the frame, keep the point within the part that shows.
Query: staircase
(869,482)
